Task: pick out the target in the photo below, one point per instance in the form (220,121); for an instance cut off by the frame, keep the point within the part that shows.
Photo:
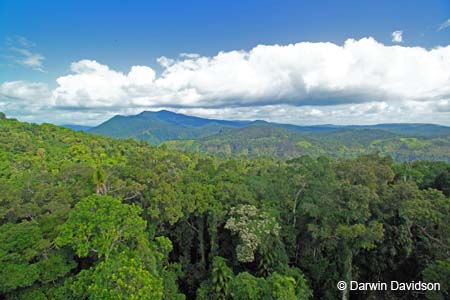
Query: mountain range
(404,142)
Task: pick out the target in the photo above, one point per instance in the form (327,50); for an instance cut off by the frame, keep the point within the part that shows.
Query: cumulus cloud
(444,25)
(297,74)
(317,81)
(24,99)
(397,36)
(90,85)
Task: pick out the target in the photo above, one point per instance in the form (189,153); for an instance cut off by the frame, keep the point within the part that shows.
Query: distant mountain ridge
(262,138)
(157,127)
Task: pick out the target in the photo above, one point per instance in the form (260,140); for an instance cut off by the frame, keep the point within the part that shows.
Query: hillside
(160,126)
(404,142)
(268,141)
(157,127)
(84,216)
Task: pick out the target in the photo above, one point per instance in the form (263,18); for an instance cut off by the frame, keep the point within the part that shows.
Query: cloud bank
(305,82)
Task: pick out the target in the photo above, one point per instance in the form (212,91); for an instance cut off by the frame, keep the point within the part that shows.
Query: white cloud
(141,76)
(24,99)
(320,81)
(444,25)
(443,105)
(26,91)
(91,85)
(22,53)
(95,85)
(297,74)
(364,113)
(397,36)
(29,59)
(190,55)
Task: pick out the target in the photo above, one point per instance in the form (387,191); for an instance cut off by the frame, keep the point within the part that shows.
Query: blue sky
(39,40)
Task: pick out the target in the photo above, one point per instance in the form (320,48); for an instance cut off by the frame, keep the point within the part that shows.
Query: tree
(99,178)
(221,276)
(279,287)
(102,225)
(20,249)
(129,266)
(442,182)
(338,207)
(438,272)
(253,227)
(123,276)
(245,286)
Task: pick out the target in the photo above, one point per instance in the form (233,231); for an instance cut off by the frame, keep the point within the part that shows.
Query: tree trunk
(212,229)
(201,239)
(347,273)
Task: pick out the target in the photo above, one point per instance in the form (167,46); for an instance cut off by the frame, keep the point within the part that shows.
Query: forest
(403,142)
(84,216)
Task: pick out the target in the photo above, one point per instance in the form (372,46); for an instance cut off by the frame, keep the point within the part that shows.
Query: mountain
(404,142)
(157,127)
(160,126)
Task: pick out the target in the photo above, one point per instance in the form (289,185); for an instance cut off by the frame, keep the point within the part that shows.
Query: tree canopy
(90,217)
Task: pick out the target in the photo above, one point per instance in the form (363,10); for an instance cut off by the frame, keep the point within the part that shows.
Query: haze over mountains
(404,142)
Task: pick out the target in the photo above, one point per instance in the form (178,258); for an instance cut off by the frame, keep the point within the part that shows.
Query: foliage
(272,141)
(438,271)
(102,224)
(124,276)
(21,245)
(253,227)
(89,217)
(247,287)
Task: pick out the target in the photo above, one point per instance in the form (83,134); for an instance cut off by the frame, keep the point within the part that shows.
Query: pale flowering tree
(253,226)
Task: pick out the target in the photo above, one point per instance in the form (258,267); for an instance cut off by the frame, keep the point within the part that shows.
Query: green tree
(221,276)
(279,287)
(99,178)
(245,286)
(21,247)
(442,182)
(438,272)
(123,276)
(102,225)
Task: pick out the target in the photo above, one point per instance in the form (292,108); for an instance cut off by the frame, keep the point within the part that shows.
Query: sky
(300,62)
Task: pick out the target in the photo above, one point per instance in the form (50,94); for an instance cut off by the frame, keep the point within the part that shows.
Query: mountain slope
(160,126)
(260,138)
(156,127)
(269,141)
